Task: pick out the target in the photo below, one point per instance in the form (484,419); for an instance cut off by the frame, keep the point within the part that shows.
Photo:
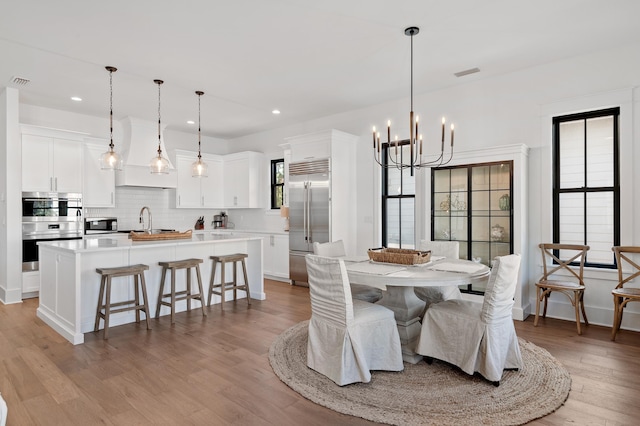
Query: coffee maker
(220,220)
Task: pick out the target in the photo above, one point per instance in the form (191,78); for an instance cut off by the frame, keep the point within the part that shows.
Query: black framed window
(398,199)
(586,183)
(277,183)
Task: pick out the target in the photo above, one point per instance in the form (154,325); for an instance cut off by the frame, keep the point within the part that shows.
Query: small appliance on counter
(220,221)
(100,225)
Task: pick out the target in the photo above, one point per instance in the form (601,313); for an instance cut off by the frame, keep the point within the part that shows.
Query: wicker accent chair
(621,294)
(572,287)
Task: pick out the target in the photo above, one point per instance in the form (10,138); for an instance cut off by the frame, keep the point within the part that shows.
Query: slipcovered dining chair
(450,250)
(477,337)
(358,291)
(562,277)
(347,338)
(621,294)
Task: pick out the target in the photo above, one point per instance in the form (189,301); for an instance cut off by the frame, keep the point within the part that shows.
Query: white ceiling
(307,58)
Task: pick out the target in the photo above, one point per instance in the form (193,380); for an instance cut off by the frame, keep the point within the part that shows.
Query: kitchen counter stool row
(105,307)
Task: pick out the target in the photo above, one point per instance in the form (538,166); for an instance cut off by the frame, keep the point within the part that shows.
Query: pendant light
(111,160)
(159,165)
(199,168)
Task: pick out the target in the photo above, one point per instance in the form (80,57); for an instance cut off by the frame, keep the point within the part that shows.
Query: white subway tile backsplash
(161,202)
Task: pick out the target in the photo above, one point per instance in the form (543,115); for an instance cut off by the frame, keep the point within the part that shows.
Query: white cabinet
(242,179)
(30,284)
(199,192)
(51,163)
(99,185)
(276,256)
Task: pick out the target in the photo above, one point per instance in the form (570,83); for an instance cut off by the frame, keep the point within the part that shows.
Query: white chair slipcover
(347,338)
(358,291)
(477,337)
(450,250)
(3,412)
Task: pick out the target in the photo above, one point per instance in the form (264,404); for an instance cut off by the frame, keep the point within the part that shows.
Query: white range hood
(140,144)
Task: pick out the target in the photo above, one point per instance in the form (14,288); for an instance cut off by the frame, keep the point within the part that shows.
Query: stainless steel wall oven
(48,216)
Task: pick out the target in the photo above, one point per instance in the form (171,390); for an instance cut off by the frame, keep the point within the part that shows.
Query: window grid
(586,183)
(277,183)
(398,209)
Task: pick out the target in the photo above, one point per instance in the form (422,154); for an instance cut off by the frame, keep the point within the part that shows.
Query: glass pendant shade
(111,160)
(199,168)
(159,165)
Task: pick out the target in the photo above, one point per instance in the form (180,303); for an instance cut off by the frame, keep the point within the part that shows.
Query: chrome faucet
(150,227)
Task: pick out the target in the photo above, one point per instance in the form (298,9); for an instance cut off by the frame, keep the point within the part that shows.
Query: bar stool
(229,285)
(137,271)
(184,294)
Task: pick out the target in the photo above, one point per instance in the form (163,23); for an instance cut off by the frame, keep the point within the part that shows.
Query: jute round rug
(422,394)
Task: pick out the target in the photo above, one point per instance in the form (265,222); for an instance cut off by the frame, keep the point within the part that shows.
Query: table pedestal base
(407,309)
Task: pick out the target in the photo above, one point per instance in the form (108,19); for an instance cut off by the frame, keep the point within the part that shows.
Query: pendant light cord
(159,82)
(111,70)
(199,95)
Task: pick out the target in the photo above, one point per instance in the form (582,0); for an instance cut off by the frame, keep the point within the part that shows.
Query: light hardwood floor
(215,370)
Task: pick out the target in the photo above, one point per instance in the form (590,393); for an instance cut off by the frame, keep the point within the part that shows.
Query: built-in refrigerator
(309,213)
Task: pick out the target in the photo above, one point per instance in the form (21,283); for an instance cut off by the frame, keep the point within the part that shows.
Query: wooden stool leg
(143,284)
(136,297)
(223,266)
(100,300)
(235,280)
(212,281)
(107,307)
(246,282)
(188,270)
(173,295)
(201,297)
(164,273)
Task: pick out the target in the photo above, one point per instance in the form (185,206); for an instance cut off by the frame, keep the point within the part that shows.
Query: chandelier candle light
(111,160)
(199,168)
(159,165)
(415,138)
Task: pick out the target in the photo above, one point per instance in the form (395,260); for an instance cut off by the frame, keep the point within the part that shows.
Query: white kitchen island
(69,284)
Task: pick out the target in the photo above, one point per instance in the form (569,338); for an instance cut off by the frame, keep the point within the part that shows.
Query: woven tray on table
(401,256)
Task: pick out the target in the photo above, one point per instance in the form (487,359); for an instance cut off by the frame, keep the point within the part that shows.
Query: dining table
(398,282)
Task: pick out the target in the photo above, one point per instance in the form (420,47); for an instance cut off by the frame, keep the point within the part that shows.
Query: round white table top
(435,273)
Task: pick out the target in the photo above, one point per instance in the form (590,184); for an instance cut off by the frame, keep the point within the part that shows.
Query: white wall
(10,199)
(510,109)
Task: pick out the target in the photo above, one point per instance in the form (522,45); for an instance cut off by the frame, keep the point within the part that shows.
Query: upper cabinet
(51,162)
(242,180)
(193,192)
(99,185)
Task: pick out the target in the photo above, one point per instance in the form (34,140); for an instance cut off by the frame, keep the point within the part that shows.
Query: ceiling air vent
(467,72)
(18,81)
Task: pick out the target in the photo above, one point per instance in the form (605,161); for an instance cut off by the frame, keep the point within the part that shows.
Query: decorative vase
(504,202)
(497,233)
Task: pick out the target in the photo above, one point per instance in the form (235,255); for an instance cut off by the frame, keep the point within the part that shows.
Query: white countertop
(122,242)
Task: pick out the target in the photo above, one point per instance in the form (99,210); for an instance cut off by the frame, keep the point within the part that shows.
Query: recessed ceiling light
(191,122)
(76,98)
(275,112)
